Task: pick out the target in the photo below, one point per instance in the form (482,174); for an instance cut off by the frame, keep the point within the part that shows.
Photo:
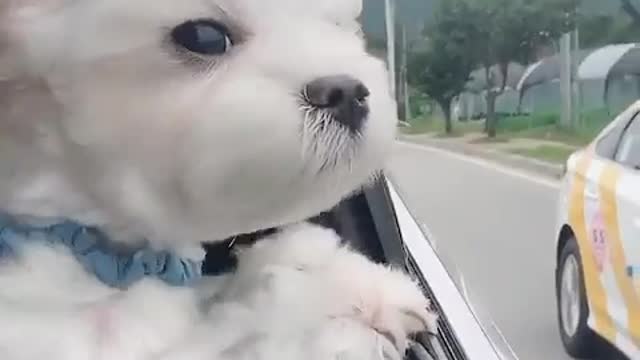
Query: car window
(628,152)
(535,87)
(607,145)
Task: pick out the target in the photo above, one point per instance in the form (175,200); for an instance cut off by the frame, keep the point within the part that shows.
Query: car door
(621,206)
(593,214)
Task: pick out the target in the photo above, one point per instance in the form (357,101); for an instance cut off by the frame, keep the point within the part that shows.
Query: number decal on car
(599,241)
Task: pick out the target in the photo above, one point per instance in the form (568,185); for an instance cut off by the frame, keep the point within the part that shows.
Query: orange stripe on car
(594,287)
(608,185)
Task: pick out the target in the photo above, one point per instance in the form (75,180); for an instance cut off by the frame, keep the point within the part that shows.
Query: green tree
(489,34)
(596,30)
(513,31)
(441,68)
(630,8)
(600,30)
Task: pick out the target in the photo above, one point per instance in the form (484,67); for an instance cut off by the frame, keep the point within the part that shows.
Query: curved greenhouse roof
(547,69)
(594,64)
(607,76)
(598,64)
(629,63)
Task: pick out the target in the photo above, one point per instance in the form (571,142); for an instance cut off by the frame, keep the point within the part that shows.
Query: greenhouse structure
(606,78)
(472,102)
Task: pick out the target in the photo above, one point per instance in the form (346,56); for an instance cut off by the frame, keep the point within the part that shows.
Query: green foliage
(441,70)
(602,29)
(424,124)
(630,7)
(595,30)
(466,34)
(440,74)
(434,124)
(470,33)
(610,27)
(420,104)
(524,122)
(592,122)
(537,126)
(547,126)
(513,30)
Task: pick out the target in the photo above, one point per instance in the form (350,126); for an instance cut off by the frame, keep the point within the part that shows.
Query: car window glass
(629,149)
(607,145)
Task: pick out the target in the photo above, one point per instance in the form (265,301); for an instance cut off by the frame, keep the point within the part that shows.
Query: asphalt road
(497,227)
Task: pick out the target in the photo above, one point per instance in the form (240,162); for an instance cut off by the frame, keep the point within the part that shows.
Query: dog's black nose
(342,95)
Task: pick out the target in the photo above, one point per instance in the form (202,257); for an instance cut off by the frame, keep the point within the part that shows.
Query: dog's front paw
(397,308)
(341,283)
(386,300)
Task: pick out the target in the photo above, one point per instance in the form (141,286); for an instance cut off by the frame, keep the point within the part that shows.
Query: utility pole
(566,72)
(389,14)
(576,118)
(405,74)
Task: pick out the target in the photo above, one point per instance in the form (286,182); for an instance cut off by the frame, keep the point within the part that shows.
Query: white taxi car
(598,242)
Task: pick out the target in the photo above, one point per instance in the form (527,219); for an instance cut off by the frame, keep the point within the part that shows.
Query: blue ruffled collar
(115,267)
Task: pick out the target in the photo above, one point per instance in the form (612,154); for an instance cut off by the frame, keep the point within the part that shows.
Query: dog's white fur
(102,121)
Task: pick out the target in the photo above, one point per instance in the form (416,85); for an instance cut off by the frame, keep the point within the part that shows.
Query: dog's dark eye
(202,37)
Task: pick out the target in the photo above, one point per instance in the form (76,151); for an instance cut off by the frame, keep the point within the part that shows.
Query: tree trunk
(446,110)
(490,84)
(491,123)
(486,121)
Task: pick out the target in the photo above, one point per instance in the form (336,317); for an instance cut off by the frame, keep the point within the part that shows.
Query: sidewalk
(539,156)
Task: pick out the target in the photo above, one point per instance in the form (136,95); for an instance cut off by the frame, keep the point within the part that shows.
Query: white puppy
(133,131)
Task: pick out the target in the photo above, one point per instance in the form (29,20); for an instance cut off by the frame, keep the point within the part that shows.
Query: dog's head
(203,117)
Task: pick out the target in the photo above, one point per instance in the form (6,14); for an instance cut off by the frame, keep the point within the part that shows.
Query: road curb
(543,168)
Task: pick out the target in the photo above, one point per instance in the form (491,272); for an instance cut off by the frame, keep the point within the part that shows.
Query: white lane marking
(486,164)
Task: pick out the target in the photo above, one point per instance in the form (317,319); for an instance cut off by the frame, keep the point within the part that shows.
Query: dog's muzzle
(343,96)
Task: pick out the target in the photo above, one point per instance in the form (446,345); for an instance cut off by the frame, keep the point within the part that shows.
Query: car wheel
(578,339)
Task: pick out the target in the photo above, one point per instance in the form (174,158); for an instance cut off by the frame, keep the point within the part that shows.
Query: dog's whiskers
(324,139)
